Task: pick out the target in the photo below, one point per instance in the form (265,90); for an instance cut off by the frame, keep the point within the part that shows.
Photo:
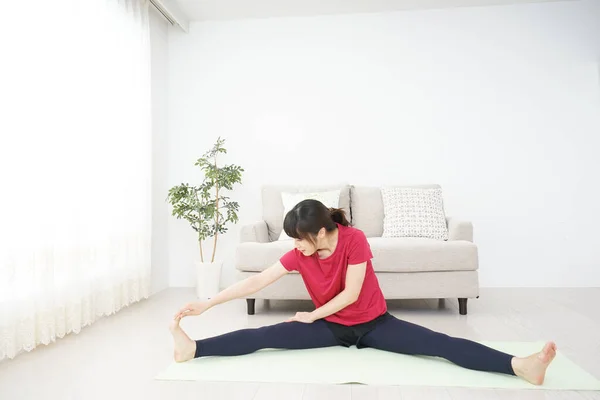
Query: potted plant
(208,212)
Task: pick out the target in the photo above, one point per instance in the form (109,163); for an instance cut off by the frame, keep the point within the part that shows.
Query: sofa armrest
(255,232)
(459,229)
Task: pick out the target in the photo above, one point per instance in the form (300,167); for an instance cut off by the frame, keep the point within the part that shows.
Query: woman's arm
(355,277)
(250,285)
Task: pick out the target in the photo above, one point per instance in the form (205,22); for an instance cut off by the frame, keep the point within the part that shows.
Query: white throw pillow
(331,199)
(414,212)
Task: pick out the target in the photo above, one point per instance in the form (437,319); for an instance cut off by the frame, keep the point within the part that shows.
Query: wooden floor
(117,357)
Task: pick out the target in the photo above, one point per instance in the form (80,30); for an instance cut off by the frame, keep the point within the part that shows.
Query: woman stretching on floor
(334,260)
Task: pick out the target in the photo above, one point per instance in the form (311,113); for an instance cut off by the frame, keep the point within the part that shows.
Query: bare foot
(185,348)
(533,368)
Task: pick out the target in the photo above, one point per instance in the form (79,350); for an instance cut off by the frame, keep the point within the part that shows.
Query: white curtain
(75,212)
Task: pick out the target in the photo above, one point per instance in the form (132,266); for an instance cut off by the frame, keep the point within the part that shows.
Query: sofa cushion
(412,212)
(252,256)
(389,255)
(366,205)
(422,254)
(272,204)
(367,208)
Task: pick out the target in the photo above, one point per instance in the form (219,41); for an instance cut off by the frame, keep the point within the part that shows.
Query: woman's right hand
(190,309)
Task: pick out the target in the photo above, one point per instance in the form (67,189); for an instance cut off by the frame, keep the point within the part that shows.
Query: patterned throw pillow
(331,199)
(414,212)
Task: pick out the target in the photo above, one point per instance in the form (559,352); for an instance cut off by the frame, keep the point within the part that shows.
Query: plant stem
(201,255)
(216,217)
(199,239)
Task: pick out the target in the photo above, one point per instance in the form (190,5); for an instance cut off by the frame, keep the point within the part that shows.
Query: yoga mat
(341,365)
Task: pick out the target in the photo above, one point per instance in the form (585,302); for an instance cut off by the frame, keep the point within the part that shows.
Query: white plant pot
(208,279)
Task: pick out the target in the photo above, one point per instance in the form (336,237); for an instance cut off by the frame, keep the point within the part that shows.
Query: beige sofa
(407,268)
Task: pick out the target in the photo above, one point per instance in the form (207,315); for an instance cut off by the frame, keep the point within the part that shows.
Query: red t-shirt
(325,278)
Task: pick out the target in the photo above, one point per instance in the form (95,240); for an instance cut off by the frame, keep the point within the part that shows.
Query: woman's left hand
(304,317)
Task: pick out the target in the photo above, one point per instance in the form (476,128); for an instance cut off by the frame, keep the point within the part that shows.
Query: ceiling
(208,10)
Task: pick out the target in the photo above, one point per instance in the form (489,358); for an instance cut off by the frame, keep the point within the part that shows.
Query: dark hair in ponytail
(339,215)
(307,218)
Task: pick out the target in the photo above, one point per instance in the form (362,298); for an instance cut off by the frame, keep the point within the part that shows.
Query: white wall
(159,41)
(499,105)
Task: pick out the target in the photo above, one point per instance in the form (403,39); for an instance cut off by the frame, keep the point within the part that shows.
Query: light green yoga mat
(340,365)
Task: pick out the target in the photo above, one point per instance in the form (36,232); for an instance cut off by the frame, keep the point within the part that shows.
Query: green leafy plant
(204,206)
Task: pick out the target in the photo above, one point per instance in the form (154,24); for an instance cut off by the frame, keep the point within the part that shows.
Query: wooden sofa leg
(251,303)
(462,306)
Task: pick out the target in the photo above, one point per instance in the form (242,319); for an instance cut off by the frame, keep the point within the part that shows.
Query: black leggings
(390,334)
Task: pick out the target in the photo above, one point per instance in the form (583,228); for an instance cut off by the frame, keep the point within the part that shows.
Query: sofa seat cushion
(256,257)
(389,255)
(422,255)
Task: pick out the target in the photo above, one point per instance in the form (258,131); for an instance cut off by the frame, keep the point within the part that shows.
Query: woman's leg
(404,337)
(286,335)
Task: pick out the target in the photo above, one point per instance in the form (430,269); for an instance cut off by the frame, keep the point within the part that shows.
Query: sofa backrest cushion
(366,205)
(272,205)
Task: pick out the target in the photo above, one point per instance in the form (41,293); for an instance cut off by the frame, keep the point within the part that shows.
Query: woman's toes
(547,353)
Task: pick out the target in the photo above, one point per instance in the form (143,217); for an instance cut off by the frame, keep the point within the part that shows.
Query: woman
(334,260)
